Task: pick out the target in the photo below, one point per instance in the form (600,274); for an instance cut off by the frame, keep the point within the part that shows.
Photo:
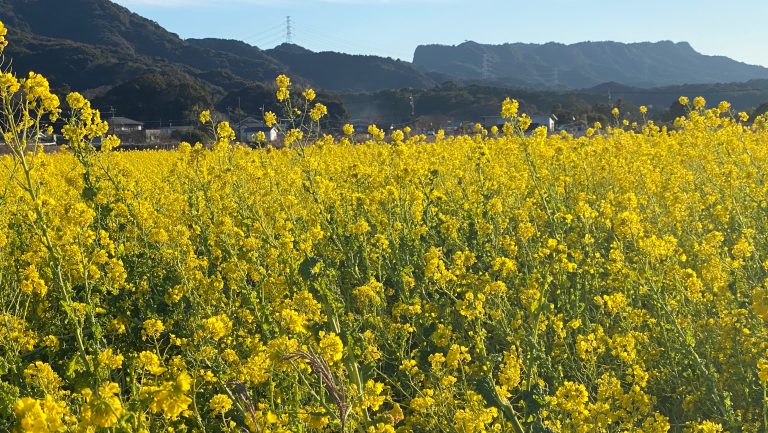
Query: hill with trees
(584,64)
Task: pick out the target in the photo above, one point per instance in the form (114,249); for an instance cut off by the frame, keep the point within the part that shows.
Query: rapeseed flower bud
(110,142)
(43,377)
(76,101)
(270,119)
(282,81)
(309,95)
(9,83)
(509,108)
(3,33)
(372,397)
(331,347)
(40,416)
(105,409)
(224,132)
(152,328)
(318,111)
(705,427)
(282,94)
(151,362)
(376,133)
(762,371)
(110,359)
(398,136)
(293,136)
(218,326)
(220,404)
(170,398)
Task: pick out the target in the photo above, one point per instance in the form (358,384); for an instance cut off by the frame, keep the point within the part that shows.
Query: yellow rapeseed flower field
(493,282)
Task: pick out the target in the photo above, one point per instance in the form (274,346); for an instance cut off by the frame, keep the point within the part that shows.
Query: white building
(250,126)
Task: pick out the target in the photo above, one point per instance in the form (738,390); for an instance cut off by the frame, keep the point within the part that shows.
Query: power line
(279,27)
(315,33)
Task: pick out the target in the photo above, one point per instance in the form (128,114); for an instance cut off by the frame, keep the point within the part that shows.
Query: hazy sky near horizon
(393,28)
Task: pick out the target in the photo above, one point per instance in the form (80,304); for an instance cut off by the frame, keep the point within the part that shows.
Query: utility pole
(288,30)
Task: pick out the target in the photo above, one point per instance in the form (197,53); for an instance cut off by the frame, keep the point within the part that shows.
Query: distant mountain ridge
(124,61)
(584,64)
(111,27)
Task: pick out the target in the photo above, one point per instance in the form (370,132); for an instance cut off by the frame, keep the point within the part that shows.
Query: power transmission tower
(288,30)
(647,64)
(486,66)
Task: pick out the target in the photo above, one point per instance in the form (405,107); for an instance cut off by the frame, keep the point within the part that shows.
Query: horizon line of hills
(123,60)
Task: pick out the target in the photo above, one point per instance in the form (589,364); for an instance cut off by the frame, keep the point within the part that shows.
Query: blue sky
(393,28)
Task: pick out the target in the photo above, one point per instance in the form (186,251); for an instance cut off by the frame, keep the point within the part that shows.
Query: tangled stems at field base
(332,386)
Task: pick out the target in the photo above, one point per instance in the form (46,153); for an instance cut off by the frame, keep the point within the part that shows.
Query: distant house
(550,121)
(250,126)
(547,120)
(167,133)
(124,125)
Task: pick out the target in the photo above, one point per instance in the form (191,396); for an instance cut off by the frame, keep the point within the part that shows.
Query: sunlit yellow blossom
(331,347)
(151,363)
(110,359)
(375,132)
(104,409)
(40,416)
(218,326)
(152,328)
(225,132)
(293,136)
(509,108)
(317,112)
(270,119)
(309,95)
(170,397)
(282,94)
(220,404)
(762,371)
(3,33)
(282,81)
